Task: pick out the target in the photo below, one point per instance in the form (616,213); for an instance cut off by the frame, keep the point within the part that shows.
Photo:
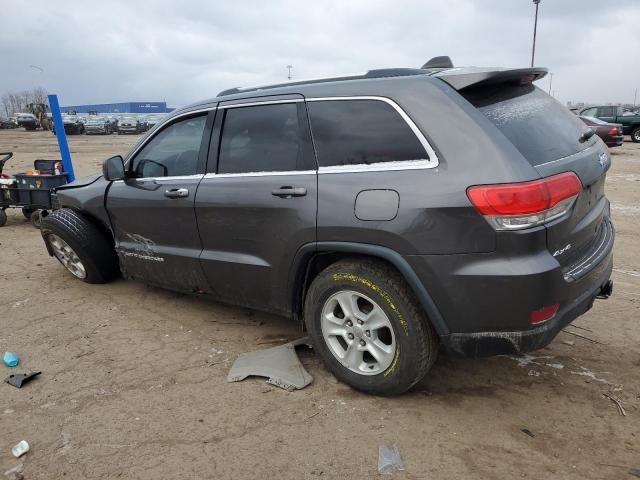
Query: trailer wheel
(3,217)
(36,219)
(27,212)
(80,246)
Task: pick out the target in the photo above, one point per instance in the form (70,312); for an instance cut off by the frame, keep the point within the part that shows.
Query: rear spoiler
(461,78)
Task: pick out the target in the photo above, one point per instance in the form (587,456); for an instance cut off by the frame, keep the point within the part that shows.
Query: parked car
(72,125)
(99,125)
(6,123)
(353,205)
(129,125)
(610,133)
(28,121)
(630,121)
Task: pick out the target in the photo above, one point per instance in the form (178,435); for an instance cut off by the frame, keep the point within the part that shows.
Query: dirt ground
(133,380)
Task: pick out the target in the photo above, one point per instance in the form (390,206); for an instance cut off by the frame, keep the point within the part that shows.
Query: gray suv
(390,213)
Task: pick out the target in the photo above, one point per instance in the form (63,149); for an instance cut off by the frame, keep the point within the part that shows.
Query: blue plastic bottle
(10,359)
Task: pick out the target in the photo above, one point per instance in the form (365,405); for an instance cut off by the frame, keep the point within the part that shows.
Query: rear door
(152,213)
(551,138)
(257,204)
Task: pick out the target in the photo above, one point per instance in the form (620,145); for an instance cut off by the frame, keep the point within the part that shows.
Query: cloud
(94,52)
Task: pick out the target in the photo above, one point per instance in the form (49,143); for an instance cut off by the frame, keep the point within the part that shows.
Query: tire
(85,240)
(36,219)
(27,212)
(635,135)
(409,339)
(3,217)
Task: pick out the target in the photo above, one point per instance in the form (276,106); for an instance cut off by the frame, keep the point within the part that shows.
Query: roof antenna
(438,62)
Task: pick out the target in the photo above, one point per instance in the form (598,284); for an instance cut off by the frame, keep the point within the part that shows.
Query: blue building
(123,107)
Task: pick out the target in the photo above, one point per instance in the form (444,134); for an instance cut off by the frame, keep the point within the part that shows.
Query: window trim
(428,163)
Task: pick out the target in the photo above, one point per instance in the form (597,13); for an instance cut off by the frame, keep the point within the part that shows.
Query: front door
(257,205)
(152,212)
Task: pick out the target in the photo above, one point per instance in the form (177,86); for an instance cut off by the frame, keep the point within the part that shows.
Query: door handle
(288,192)
(176,193)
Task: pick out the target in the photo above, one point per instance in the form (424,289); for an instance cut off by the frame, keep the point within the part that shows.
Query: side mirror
(113,168)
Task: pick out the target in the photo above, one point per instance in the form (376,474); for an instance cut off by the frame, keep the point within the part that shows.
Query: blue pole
(62,137)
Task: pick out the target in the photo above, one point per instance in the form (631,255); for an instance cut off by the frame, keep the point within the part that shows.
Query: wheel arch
(311,259)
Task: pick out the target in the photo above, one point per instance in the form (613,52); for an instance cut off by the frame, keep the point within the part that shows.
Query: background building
(123,107)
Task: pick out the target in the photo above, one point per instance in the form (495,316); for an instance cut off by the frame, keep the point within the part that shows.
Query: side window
(173,151)
(606,111)
(590,112)
(361,132)
(265,138)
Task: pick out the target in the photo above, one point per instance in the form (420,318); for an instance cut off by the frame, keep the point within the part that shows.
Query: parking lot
(133,380)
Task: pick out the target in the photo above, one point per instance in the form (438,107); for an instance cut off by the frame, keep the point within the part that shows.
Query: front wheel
(366,325)
(635,135)
(80,246)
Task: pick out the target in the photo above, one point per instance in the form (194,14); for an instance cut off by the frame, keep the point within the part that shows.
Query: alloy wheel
(67,256)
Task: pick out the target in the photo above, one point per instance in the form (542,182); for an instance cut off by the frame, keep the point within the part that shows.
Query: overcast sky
(183,51)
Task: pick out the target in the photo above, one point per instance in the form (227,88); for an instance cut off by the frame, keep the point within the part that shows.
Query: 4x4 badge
(604,158)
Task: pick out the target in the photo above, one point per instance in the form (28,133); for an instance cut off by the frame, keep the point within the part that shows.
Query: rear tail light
(543,314)
(613,131)
(514,206)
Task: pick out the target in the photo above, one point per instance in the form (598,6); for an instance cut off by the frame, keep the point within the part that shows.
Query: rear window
(361,132)
(542,129)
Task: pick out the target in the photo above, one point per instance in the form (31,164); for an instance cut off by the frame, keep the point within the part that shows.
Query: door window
(590,112)
(265,138)
(607,111)
(172,152)
(361,132)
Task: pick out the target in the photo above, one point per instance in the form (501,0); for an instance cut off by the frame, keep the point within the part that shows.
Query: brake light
(613,131)
(543,314)
(514,206)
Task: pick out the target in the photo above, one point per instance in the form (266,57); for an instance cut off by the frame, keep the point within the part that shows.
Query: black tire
(36,219)
(635,135)
(27,212)
(89,243)
(3,217)
(416,341)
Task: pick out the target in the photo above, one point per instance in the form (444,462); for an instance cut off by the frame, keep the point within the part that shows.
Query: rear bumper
(614,141)
(486,299)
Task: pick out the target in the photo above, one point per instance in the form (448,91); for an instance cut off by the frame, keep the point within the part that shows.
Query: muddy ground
(133,380)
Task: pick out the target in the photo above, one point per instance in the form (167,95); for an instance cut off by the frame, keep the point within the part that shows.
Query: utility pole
(289,67)
(535,31)
(550,82)
(635,97)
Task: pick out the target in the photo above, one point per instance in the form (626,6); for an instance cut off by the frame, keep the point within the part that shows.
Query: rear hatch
(552,139)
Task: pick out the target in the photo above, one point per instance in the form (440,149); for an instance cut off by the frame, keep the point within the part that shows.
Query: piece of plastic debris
(20,449)
(389,459)
(19,379)
(15,473)
(526,431)
(279,364)
(10,359)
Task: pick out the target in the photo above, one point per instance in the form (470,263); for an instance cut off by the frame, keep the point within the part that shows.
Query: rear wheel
(635,134)
(80,246)
(366,325)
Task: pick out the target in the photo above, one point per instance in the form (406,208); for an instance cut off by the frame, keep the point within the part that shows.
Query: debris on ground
(569,342)
(389,459)
(19,379)
(617,401)
(279,364)
(15,473)
(584,337)
(527,432)
(20,449)
(10,359)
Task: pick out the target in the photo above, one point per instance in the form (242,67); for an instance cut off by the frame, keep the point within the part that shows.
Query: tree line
(17,102)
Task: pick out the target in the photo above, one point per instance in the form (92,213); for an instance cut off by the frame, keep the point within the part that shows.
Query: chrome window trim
(197,176)
(159,127)
(260,174)
(430,162)
(266,102)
